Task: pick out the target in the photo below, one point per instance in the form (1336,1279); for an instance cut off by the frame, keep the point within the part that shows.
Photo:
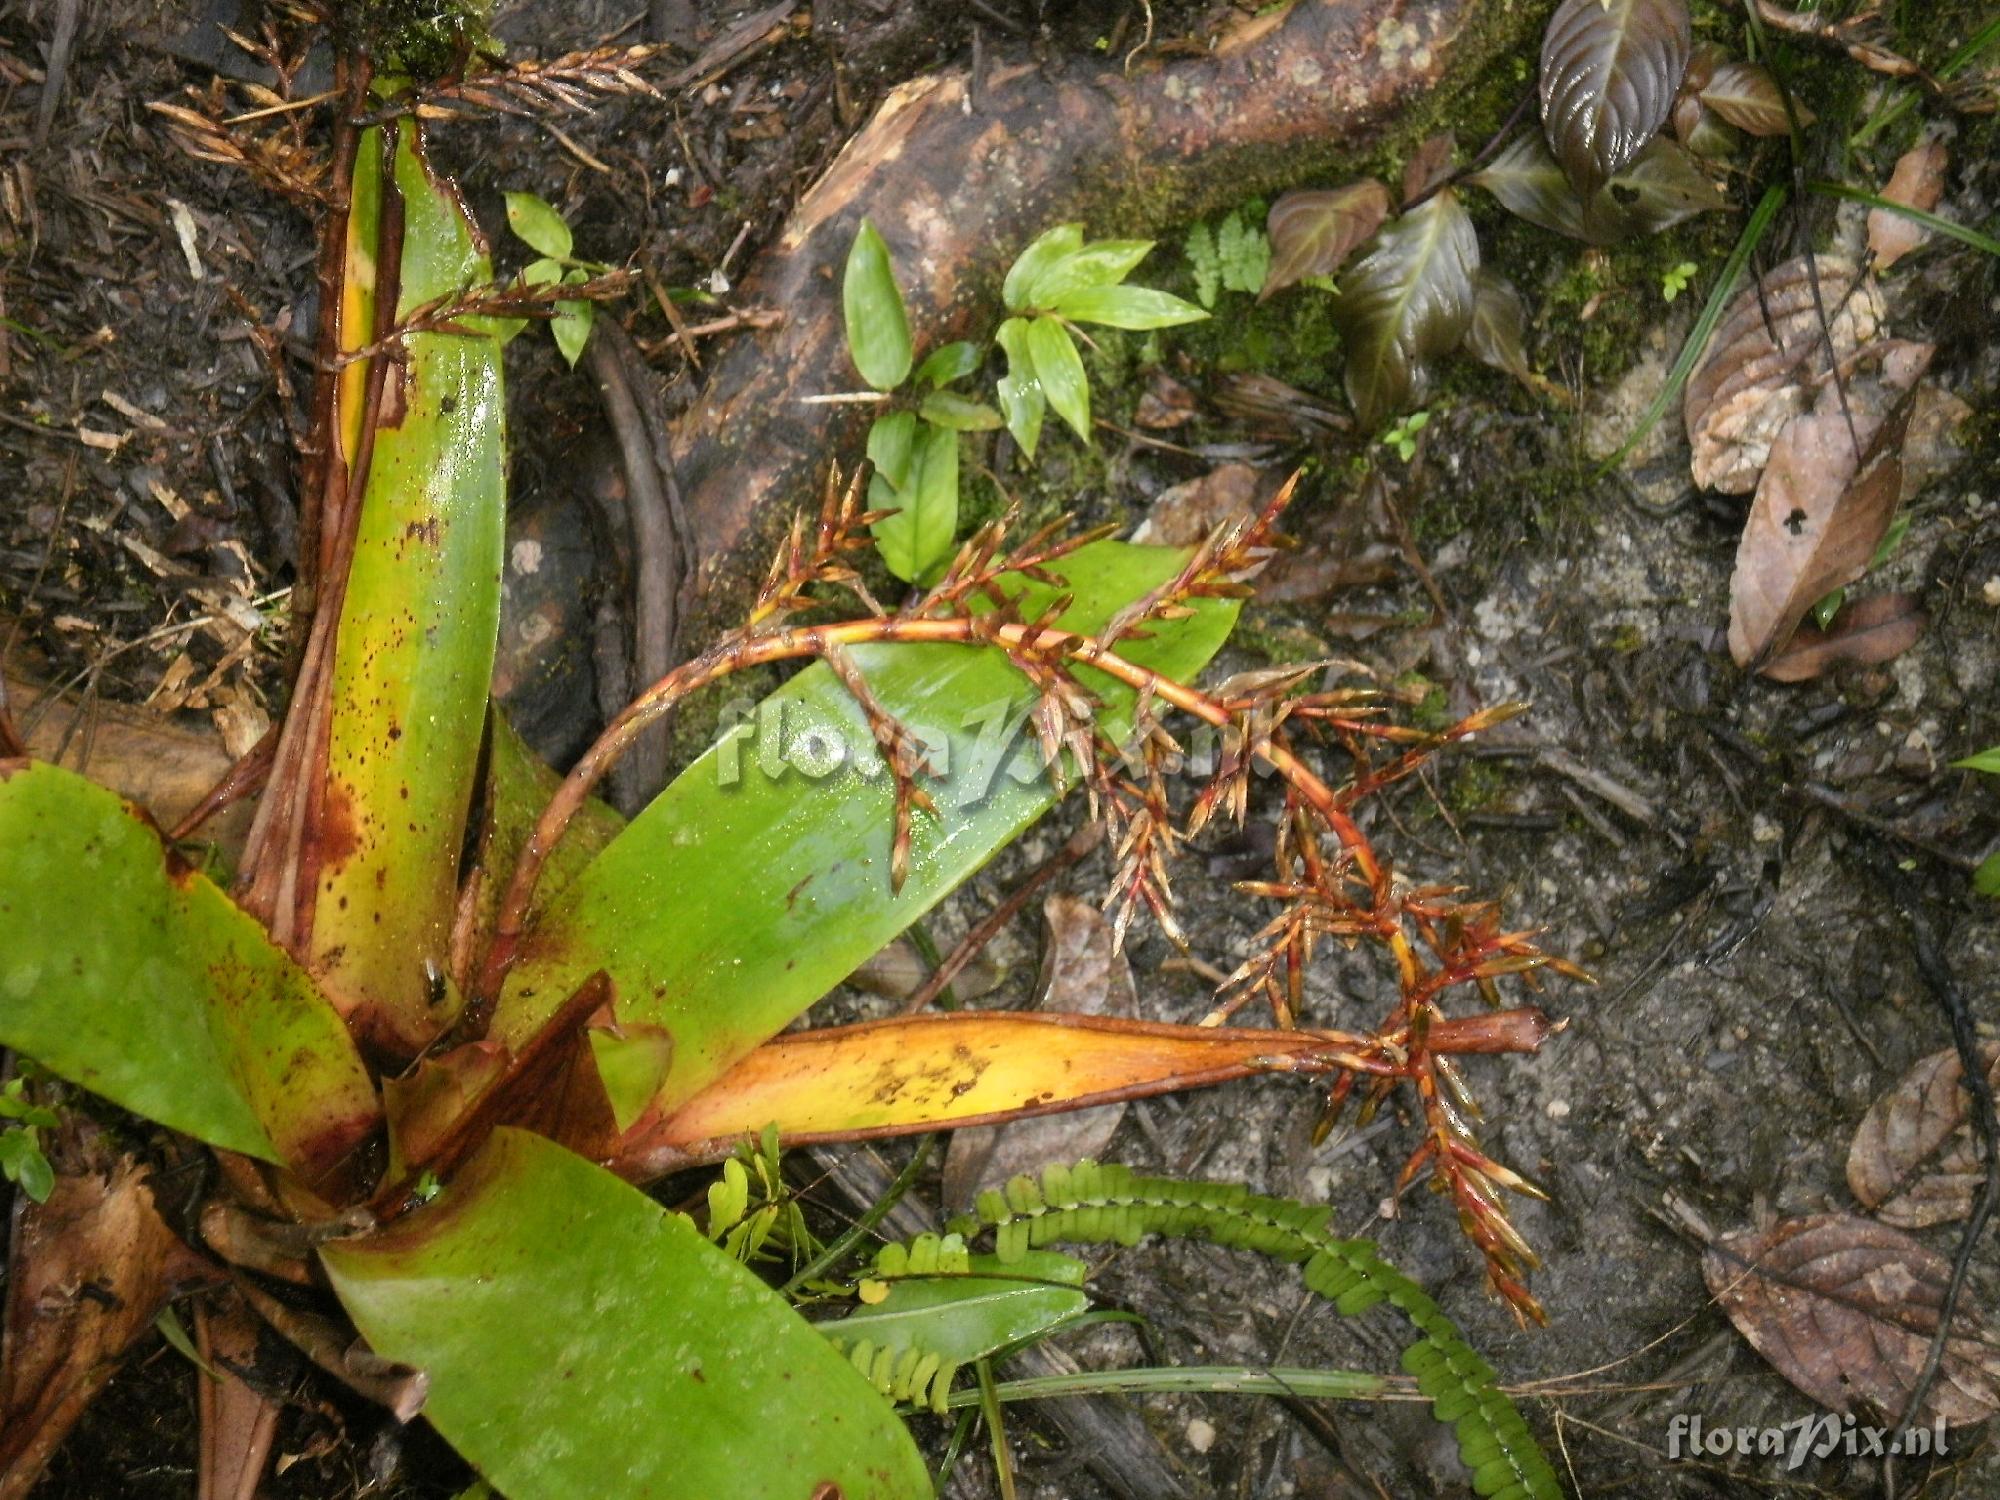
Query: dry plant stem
(823,640)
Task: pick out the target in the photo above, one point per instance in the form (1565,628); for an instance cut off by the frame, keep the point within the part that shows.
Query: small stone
(1556,1109)
(1200,1434)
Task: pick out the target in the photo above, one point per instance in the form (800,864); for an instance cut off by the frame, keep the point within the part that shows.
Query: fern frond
(1092,1204)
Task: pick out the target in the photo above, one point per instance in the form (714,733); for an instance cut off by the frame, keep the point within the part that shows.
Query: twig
(983,932)
(61,44)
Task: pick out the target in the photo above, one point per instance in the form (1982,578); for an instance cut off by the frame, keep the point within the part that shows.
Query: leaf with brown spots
(1865,634)
(1766,361)
(1917,182)
(1913,1162)
(1083,973)
(1845,1308)
(1822,507)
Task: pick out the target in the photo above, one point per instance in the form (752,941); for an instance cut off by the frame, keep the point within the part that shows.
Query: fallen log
(959,173)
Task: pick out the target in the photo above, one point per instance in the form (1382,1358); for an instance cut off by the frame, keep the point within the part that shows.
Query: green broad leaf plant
(1057,284)
(449,1015)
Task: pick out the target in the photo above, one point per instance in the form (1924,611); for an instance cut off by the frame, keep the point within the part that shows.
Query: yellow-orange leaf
(921,1072)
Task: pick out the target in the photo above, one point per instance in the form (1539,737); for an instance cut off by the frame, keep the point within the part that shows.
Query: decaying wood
(958,184)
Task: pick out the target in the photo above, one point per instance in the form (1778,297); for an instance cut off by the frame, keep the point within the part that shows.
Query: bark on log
(958,174)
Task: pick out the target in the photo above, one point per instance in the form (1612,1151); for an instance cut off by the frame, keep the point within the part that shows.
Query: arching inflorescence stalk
(1328,880)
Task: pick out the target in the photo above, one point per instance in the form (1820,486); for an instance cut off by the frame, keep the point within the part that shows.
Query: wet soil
(1729,856)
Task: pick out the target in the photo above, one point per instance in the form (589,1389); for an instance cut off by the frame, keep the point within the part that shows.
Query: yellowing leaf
(920,1072)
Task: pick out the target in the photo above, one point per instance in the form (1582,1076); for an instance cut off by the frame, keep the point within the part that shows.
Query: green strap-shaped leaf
(1098,264)
(878,329)
(916,538)
(136,978)
(417,636)
(1020,392)
(760,878)
(582,1342)
(1049,247)
(1126,307)
(1059,368)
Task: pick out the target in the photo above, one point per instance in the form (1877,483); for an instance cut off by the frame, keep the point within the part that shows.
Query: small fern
(1092,1204)
(930,1307)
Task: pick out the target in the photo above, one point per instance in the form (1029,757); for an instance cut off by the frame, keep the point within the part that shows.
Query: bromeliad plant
(451,1008)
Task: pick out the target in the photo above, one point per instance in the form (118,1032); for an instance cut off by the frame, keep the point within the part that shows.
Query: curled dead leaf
(1272,407)
(1766,361)
(1866,633)
(1082,973)
(1917,182)
(88,1272)
(1845,1308)
(1822,507)
(1914,1162)
(1350,544)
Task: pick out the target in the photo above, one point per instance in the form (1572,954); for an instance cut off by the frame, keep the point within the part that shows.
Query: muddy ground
(1668,821)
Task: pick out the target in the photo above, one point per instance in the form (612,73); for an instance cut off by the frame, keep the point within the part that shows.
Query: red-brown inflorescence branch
(1328,880)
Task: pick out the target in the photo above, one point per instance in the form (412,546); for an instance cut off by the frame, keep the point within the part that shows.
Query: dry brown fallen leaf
(1164,404)
(1914,1162)
(1917,182)
(1183,515)
(899,971)
(1082,973)
(1866,633)
(1757,375)
(165,767)
(1347,545)
(1845,1309)
(88,1272)
(1823,505)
